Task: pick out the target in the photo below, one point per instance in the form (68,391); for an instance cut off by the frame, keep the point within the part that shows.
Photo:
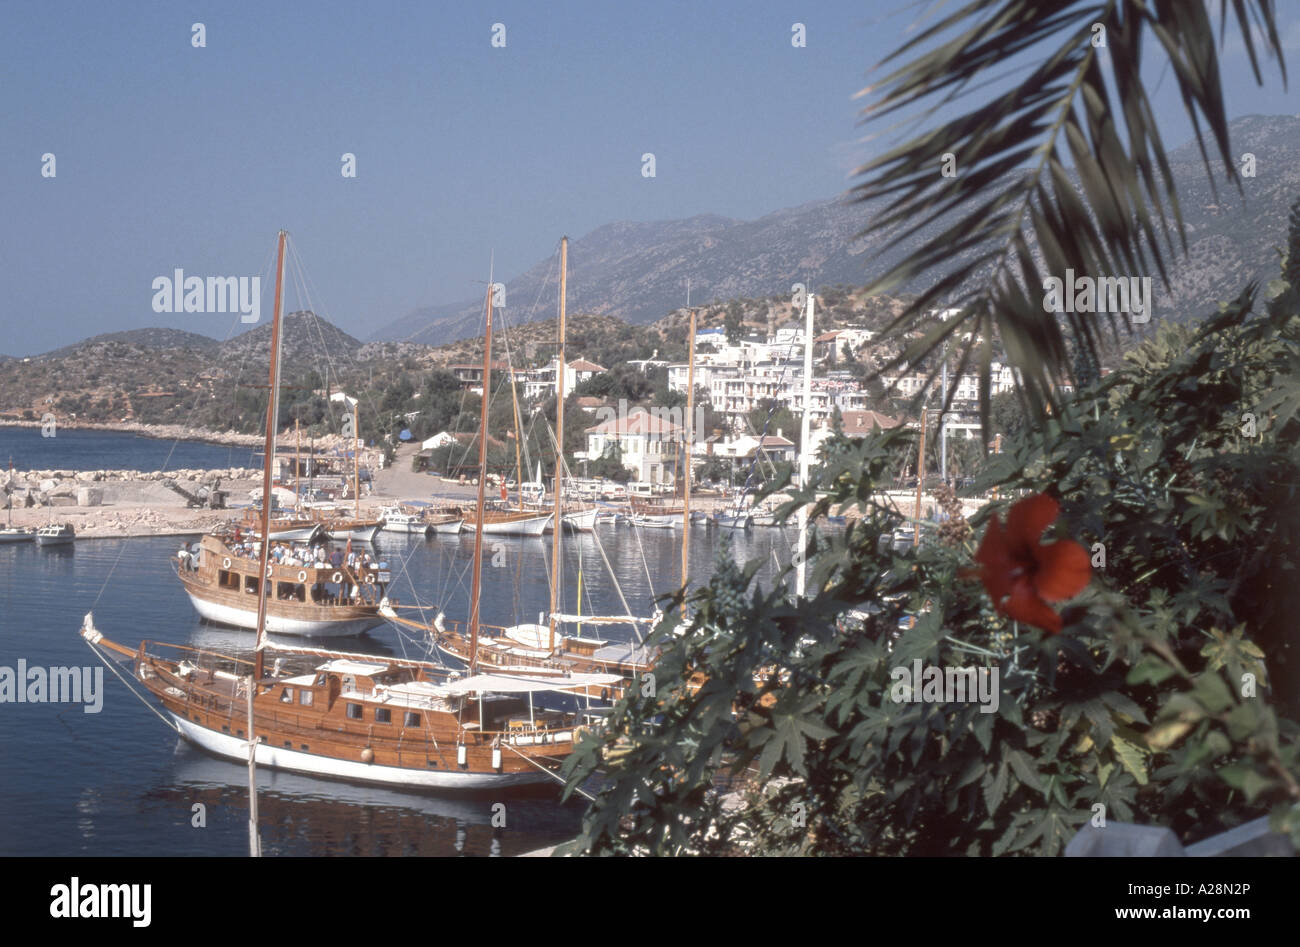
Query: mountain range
(638,271)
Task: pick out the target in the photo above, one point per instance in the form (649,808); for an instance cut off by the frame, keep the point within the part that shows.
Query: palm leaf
(1003,226)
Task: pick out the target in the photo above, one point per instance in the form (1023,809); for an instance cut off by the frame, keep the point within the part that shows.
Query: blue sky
(171,156)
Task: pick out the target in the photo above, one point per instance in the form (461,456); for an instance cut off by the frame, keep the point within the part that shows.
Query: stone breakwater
(90,487)
(119,503)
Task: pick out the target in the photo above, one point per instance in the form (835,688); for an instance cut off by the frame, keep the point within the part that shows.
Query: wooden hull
(335,721)
(222,590)
(296,761)
(294,534)
(412,527)
(582,521)
(656,522)
(448,528)
(281,620)
(358,533)
(511,524)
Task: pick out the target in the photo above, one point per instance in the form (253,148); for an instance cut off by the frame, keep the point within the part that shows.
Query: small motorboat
(16,534)
(55,534)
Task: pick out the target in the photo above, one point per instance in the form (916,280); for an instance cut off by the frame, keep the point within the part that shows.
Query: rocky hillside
(638,271)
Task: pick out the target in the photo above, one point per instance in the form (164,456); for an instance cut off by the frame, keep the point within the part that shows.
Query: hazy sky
(174,156)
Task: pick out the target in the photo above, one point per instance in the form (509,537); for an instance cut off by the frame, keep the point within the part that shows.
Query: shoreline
(161,432)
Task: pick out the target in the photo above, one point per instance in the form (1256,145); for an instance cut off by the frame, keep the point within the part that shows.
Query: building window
(412,719)
(383,715)
(355,712)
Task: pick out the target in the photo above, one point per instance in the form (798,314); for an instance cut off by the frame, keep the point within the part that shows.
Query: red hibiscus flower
(1021,574)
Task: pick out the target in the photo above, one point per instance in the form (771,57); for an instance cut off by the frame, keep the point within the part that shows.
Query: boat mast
(690,436)
(805,429)
(477,585)
(272,415)
(560,367)
(356,462)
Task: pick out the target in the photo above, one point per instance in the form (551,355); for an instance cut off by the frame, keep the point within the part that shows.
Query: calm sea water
(110,450)
(120,782)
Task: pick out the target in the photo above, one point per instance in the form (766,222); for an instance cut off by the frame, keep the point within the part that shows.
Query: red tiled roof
(862,422)
(638,421)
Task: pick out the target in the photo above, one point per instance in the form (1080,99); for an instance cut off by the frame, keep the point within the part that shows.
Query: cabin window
(304,698)
(355,712)
(228,580)
(383,715)
(304,747)
(291,591)
(224,728)
(433,764)
(239,733)
(286,696)
(288,744)
(251,584)
(412,719)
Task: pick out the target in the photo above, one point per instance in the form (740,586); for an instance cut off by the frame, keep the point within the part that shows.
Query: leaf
(1163,736)
(1247,779)
(995,788)
(1130,757)
(1020,763)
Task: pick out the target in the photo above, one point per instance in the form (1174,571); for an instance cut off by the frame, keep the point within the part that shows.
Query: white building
(643,441)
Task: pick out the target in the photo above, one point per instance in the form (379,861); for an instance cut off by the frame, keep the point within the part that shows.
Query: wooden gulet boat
(353,716)
(307,600)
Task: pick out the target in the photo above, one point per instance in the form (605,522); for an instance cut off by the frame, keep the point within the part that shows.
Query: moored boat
(56,534)
(510,522)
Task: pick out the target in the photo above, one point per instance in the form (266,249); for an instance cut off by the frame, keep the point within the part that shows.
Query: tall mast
(297,464)
(690,437)
(477,585)
(356,462)
(519,435)
(559,441)
(805,433)
(272,415)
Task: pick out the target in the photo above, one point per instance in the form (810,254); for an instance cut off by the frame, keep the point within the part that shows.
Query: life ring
(302,575)
(225,563)
(336,577)
(370,578)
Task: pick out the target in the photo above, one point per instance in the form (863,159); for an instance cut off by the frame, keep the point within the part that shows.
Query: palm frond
(1111,211)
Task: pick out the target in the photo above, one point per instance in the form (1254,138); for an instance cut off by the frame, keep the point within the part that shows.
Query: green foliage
(1144,704)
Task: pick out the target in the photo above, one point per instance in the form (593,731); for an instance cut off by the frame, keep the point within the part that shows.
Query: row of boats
(52,534)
